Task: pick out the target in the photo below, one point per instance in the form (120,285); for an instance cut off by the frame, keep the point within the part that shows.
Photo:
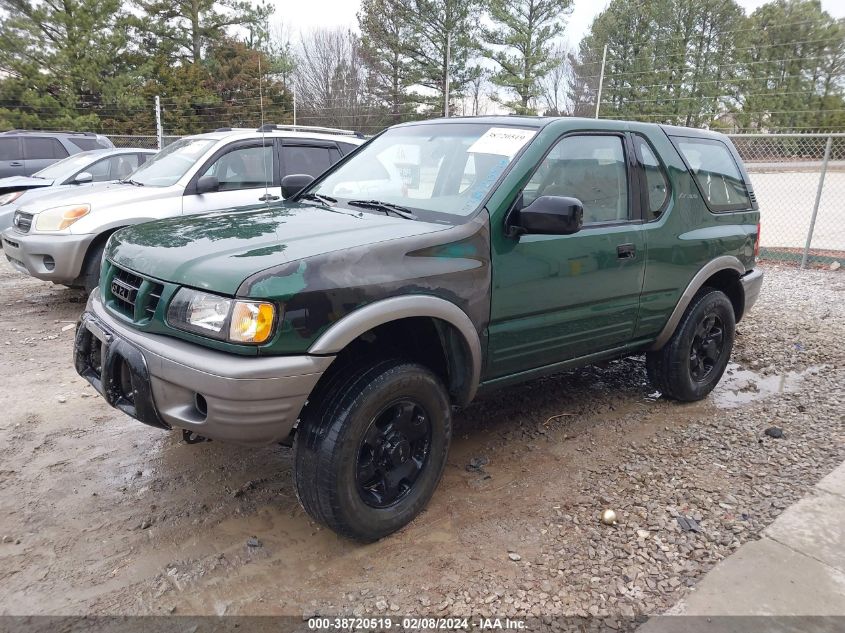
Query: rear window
(43,148)
(88,143)
(716,173)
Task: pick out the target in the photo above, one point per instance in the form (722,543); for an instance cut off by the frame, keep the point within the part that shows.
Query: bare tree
(554,86)
(331,81)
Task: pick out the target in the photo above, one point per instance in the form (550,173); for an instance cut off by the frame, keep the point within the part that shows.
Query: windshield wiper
(326,200)
(129,181)
(387,207)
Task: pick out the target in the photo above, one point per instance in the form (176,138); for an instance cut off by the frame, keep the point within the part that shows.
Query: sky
(298,15)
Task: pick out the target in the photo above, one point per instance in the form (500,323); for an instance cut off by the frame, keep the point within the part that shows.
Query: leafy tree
(444,35)
(185,28)
(62,62)
(672,61)
(794,67)
(384,33)
(521,42)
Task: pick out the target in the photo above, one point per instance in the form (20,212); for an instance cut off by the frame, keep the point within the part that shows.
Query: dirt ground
(103,515)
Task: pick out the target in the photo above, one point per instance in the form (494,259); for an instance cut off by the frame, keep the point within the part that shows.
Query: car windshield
(171,163)
(67,166)
(439,171)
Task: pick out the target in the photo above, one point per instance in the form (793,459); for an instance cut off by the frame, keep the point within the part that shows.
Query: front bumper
(167,383)
(751,284)
(56,258)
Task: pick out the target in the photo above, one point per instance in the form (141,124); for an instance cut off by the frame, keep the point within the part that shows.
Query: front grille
(22,221)
(124,289)
(131,295)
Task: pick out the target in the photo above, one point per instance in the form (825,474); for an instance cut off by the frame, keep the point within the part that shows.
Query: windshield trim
(427,215)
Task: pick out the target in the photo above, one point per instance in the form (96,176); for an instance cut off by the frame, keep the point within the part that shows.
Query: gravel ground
(102,515)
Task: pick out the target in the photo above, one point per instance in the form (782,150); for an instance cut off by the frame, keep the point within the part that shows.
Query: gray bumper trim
(26,253)
(250,400)
(752,282)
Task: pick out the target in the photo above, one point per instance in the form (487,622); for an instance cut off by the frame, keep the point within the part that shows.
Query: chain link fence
(799,181)
(149,141)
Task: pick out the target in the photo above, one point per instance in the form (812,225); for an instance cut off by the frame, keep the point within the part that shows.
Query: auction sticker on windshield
(503,141)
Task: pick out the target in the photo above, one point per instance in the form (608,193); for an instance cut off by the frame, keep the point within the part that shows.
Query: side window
(589,167)
(656,180)
(716,173)
(305,159)
(9,149)
(101,169)
(334,154)
(243,168)
(114,167)
(43,148)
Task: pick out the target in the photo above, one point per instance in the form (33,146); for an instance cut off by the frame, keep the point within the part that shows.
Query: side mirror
(83,177)
(294,183)
(207,184)
(551,215)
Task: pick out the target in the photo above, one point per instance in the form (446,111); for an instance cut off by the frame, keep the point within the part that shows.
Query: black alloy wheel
(393,452)
(707,345)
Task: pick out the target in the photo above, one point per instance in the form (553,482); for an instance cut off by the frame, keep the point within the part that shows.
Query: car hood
(99,195)
(23,182)
(218,251)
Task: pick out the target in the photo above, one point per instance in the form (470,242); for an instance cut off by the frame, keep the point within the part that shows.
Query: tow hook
(193,438)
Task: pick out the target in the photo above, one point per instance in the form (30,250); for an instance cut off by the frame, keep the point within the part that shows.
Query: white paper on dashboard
(503,141)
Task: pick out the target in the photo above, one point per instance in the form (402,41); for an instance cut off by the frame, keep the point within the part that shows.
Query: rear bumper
(752,282)
(167,383)
(56,258)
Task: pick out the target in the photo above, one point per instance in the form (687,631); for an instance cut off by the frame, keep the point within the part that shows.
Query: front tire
(692,362)
(371,447)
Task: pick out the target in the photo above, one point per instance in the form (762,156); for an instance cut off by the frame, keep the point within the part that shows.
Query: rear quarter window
(86,144)
(716,173)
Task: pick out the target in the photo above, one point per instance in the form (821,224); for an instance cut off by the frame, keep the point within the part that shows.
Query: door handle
(268,198)
(16,163)
(626,251)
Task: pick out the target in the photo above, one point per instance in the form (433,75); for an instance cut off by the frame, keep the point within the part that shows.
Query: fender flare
(364,319)
(724,262)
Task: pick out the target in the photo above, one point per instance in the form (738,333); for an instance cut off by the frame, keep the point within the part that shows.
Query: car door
(40,152)
(305,156)
(558,297)
(247,173)
(11,157)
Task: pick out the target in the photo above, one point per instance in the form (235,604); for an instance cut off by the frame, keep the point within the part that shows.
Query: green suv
(441,260)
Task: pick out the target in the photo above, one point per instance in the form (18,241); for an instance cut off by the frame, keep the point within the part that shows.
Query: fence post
(159,133)
(825,161)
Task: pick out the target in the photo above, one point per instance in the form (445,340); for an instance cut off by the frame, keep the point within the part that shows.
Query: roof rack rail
(272,127)
(19,131)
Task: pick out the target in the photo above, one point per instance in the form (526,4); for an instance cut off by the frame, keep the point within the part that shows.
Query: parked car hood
(16,183)
(217,251)
(98,195)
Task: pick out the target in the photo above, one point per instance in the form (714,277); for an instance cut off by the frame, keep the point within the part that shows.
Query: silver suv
(24,152)
(60,237)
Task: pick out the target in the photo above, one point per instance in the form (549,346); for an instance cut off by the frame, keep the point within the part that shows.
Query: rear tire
(692,362)
(371,447)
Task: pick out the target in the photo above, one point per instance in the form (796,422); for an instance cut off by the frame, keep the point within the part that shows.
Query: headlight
(10,197)
(59,218)
(221,318)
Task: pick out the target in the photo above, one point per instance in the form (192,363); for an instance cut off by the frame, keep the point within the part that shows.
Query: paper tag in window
(503,141)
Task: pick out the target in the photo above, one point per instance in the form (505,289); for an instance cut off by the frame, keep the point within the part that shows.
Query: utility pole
(601,80)
(294,105)
(446,75)
(159,132)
